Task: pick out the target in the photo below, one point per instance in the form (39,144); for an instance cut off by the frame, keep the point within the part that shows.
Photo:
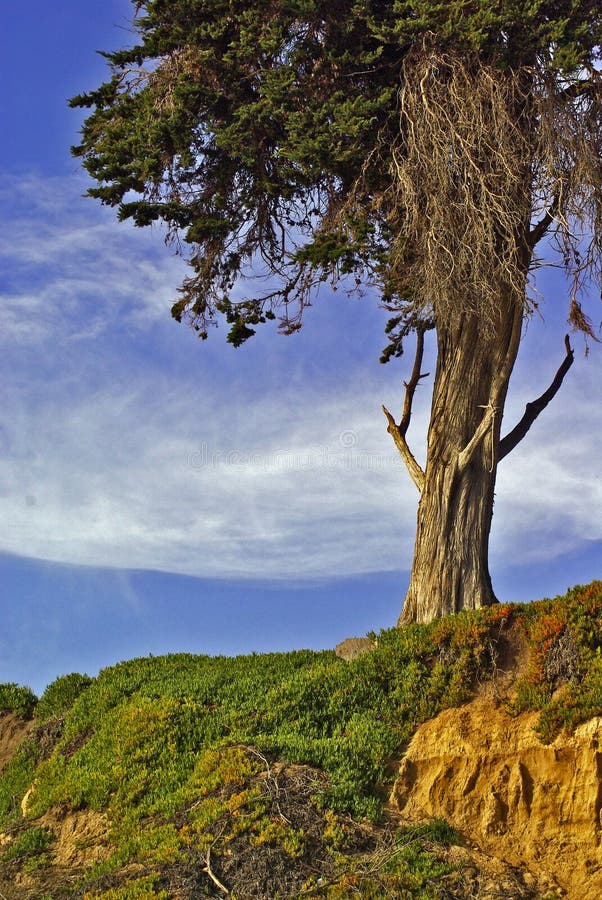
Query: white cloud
(71,270)
(119,450)
(550,487)
(106,485)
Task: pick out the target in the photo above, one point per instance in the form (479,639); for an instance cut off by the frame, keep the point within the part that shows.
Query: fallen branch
(212,875)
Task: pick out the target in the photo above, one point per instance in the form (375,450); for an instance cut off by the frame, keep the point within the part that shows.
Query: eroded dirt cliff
(13,730)
(533,805)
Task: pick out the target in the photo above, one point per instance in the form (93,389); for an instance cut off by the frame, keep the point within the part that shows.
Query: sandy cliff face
(533,805)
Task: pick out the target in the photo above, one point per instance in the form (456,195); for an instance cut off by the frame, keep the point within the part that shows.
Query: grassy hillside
(267,775)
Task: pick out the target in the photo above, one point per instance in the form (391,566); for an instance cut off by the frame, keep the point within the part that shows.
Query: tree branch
(465,457)
(416,473)
(532,410)
(207,868)
(412,384)
(578,88)
(398,432)
(538,231)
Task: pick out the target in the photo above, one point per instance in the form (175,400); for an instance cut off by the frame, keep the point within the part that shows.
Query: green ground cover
(205,765)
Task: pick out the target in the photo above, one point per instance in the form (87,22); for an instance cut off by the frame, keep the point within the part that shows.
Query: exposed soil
(247,870)
(530,804)
(13,730)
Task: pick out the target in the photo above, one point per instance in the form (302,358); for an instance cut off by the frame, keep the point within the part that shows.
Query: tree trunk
(475,358)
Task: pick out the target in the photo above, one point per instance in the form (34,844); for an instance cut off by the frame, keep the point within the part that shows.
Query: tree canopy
(288,142)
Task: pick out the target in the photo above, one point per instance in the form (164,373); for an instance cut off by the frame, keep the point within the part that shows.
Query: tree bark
(475,359)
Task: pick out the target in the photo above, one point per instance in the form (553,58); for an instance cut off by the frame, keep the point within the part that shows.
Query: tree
(426,147)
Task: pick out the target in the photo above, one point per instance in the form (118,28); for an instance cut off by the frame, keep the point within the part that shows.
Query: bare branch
(398,432)
(579,88)
(461,204)
(539,230)
(412,384)
(416,473)
(465,457)
(211,874)
(532,410)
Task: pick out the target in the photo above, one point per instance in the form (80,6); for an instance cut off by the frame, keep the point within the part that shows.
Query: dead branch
(212,875)
(481,153)
(412,384)
(413,467)
(539,230)
(461,180)
(398,432)
(270,782)
(466,456)
(532,410)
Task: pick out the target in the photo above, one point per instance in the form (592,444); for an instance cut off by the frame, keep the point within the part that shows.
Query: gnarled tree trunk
(476,356)
(450,568)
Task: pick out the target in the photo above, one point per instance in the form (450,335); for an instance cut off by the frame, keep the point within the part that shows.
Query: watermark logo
(348,439)
(345,454)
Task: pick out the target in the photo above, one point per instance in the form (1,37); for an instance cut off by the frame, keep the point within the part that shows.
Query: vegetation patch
(267,774)
(136,889)
(61,694)
(30,843)
(564,675)
(15,780)
(17,699)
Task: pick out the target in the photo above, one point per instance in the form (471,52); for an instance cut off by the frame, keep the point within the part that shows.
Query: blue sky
(158,494)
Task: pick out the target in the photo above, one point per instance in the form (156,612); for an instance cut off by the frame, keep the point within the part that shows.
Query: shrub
(20,700)
(31,843)
(564,674)
(178,748)
(61,694)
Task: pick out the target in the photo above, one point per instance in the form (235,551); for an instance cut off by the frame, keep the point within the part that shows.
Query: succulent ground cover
(267,776)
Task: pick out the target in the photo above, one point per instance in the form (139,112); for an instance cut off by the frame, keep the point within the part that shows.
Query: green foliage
(564,674)
(184,753)
(139,728)
(31,844)
(61,694)
(145,888)
(246,126)
(142,730)
(437,830)
(406,869)
(15,779)
(20,700)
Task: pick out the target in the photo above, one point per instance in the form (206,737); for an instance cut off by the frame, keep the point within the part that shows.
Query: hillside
(459,759)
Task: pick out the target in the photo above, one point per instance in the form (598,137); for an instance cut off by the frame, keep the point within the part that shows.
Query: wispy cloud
(119,450)
(550,488)
(128,482)
(70,270)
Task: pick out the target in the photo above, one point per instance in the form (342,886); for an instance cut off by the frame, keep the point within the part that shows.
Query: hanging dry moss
(488,161)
